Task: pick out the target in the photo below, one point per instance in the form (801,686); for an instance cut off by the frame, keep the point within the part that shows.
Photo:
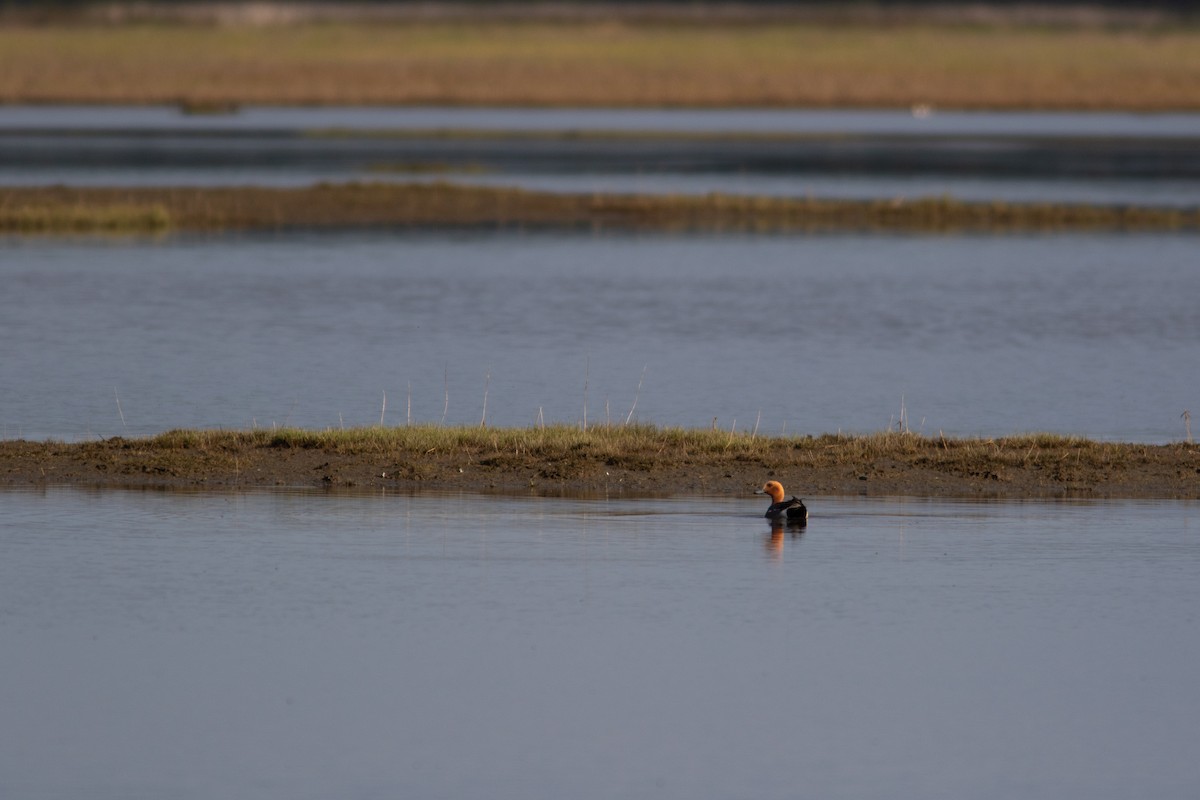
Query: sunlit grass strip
(607,63)
(83,218)
(445,204)
(647,447)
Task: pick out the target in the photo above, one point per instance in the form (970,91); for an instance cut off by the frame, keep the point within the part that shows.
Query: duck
(792,509)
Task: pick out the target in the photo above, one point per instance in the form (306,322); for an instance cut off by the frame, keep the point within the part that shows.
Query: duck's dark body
(792,509)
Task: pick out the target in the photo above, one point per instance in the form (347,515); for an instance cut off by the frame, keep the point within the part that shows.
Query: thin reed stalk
(586,369)
(446,387)
(487,383)
(119,411)
(636,395)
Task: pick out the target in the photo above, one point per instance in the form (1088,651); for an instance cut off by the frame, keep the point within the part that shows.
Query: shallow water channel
(990,335)
(307,645)
(1102,158)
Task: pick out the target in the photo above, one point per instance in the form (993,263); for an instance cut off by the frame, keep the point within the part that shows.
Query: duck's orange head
(774,489)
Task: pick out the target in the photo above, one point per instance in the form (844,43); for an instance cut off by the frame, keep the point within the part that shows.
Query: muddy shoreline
(988,469)
(57,210)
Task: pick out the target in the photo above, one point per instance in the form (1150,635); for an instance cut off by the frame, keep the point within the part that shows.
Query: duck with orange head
(791,509)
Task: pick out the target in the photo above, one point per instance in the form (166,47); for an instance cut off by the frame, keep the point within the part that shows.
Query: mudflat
(151,210)
(641,460)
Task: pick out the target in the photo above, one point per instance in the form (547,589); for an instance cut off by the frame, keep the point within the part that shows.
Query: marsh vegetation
(634,458)
(148,210)
(1006,63)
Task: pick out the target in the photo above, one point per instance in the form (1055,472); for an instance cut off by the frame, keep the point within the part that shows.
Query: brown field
(1009,62)
(151,210)
(636,459)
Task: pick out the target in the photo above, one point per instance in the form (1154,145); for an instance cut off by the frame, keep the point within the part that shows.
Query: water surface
(275,645)
(1109,158)
(778,121)
(1085,334)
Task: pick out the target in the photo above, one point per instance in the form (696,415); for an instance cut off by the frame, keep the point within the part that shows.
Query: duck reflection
(776,538)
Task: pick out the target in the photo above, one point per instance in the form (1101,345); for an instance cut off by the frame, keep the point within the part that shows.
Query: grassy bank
(114,217)
(635,459)
(1007,63)
(145,210)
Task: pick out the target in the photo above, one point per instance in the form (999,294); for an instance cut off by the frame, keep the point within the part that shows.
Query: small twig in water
(755,431)
(410,404)
(383,409)
(1187,424)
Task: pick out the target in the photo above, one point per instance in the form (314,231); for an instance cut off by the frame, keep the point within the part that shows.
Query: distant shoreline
(633,460)
(978,57)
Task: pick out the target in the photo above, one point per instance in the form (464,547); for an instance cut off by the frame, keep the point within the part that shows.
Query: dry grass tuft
(649,444)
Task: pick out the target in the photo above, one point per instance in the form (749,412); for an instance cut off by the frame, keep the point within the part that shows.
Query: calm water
(158,645)
(1088,334)
(308,645)
(1083,158)
(881,122)
(644,178)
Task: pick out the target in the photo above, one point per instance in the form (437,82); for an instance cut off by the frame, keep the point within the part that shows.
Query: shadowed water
(759,121)
(1086,334)
(307,645)
(1106,158)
